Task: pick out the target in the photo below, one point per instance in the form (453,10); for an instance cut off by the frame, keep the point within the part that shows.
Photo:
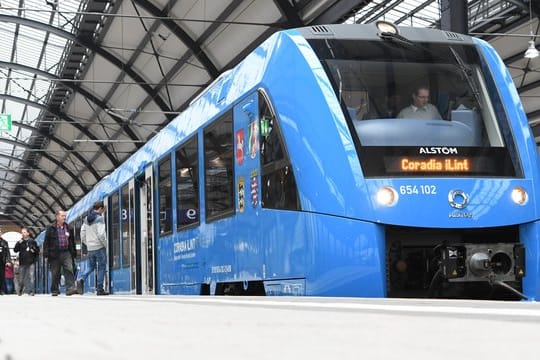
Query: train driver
(420,107)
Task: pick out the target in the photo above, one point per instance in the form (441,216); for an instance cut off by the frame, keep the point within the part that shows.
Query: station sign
(5,122)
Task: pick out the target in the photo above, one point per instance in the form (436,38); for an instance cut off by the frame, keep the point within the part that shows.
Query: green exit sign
(5,122)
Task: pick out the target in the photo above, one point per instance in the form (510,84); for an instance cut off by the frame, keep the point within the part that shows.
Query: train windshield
(420,109)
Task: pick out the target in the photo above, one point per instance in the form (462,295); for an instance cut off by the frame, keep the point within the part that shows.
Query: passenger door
(145,232)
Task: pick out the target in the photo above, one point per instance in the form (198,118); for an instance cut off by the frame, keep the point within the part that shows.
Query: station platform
(180,327)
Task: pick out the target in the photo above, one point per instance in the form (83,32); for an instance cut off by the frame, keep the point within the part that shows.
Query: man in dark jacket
(28,252)
(59,249)
(5,258)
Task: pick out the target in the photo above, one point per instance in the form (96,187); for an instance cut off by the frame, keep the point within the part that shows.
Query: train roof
(371,32)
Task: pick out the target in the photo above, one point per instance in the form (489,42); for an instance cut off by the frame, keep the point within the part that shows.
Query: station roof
(88,82)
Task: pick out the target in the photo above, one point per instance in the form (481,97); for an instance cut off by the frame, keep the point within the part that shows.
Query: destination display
(436,161)
(410,164)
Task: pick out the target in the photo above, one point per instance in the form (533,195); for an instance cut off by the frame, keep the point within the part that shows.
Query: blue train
(295,173)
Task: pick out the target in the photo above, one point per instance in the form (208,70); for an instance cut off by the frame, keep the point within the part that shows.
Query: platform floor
(173,327)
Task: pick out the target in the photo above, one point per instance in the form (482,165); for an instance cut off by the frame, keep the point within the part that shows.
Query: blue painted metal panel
(490,203)
(120,281)
(336,256)
(180,257)
(246,247)
(326,166)
(530,237)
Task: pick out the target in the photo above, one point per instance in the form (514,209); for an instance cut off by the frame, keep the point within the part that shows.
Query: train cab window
(376,84)
(218,168)
(187,184)
(278,184)
(115,232)
(165,196)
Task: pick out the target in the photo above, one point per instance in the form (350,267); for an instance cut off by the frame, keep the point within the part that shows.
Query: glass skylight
(23,92)
(416,13)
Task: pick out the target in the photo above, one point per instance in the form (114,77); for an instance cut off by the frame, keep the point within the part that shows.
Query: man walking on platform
(59,248)
(94,236)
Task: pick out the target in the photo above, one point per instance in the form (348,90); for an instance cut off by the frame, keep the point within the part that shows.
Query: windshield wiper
(399,40)
(468,74)
(462,66)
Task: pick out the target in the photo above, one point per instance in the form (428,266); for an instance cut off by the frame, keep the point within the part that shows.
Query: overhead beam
(414,11)
(340,11)
(290,13)
(62,144)
(93,47)
(21,218)
(36,198)
(65,117)
(374,11)
(28,213)
(43,188)
(185,58)
(47,175)
(75,88)
(204,36)
(33,203)
(173,26)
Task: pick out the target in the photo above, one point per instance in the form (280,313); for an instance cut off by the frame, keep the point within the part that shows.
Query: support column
(455,16)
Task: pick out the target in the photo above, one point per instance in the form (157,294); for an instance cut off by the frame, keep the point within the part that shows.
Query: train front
(449,163)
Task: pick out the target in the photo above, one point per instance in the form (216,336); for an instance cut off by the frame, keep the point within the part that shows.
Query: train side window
(187,184)
(165,196)
(218,168)
(115,231)
(278,184)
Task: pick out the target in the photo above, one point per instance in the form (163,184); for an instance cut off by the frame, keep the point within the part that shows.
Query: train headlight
(519,195)
(386,27)
(387,196)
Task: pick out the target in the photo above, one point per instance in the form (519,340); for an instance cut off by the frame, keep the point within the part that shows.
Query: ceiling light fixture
(531,52)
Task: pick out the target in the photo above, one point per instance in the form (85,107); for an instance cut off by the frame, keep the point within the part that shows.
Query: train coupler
(483,262)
